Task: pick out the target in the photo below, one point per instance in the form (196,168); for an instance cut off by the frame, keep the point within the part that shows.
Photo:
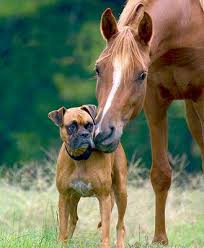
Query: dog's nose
(85,135)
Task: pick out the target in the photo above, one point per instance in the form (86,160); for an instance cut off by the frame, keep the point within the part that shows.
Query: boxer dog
(83,171)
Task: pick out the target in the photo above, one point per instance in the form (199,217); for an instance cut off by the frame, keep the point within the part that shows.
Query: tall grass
(28,210)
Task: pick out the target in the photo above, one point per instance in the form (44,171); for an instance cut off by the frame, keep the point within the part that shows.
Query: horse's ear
(57,116)
(108,24)
(141,21)
(145,28)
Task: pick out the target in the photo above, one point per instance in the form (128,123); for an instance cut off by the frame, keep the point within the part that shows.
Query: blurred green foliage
(48,50)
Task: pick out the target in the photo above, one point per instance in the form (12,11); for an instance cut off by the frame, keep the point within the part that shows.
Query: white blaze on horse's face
(117,77)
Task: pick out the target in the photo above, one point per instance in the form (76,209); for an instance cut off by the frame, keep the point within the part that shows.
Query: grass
(28,215)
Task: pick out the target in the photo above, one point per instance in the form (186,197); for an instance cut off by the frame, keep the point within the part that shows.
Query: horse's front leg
(195,117)
(156,112)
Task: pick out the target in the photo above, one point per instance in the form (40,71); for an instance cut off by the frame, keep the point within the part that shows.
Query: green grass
(28,218)
(46,239)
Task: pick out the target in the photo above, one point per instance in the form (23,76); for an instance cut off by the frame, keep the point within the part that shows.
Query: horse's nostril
(112,128)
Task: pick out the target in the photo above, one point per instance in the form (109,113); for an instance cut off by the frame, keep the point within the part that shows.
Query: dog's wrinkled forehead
(78,115)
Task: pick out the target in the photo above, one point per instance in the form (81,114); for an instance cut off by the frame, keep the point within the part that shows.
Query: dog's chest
(82,187)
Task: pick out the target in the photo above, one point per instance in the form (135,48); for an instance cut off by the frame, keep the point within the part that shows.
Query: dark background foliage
(48,50)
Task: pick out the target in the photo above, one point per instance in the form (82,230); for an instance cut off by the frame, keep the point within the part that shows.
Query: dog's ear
(90,109)
(57,116)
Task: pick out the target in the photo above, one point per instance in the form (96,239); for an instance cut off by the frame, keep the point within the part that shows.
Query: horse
(154,55)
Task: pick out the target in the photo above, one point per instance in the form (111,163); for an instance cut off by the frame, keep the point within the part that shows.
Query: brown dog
(85,172)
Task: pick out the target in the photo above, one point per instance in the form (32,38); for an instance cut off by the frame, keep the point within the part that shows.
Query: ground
(28,216)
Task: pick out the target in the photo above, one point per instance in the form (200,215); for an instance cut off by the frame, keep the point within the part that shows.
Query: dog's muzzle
(80,151)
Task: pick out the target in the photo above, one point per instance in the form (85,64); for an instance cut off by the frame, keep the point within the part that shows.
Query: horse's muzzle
(106,141)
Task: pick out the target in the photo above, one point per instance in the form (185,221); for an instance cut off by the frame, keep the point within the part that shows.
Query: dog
(83,171)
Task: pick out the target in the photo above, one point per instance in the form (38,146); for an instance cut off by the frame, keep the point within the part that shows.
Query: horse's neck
(171,22)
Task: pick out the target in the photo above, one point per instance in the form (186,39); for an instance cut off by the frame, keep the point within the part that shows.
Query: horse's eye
(97,71)
(142,76)
(89,126)
(72,128)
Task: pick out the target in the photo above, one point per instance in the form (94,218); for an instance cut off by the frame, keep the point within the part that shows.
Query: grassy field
(28,213)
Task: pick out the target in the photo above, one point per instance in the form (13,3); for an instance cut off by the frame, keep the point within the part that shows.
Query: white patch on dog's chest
(85,189)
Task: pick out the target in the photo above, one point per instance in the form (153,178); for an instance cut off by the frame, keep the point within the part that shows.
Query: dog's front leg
(63,217)
(105,209)
(73,217)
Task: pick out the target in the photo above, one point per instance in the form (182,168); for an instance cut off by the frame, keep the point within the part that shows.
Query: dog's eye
(142,76)
(89,126)
(72,128)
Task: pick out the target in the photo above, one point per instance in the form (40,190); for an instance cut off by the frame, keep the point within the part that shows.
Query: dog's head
(76,129)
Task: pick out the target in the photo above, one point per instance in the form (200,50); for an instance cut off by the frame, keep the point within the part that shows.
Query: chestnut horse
(163,39)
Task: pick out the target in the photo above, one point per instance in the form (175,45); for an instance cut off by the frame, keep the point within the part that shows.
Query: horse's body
(173,55)
(177,68)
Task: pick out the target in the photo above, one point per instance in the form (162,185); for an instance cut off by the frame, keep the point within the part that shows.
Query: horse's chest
(179,83)
(179,74)
(186,84)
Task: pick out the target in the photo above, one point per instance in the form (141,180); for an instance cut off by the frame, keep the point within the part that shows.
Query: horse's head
(121,74)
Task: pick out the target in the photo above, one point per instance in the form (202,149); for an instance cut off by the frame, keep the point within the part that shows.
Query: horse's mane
(125,49)
(129,11)
(131,6)
(123,46)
